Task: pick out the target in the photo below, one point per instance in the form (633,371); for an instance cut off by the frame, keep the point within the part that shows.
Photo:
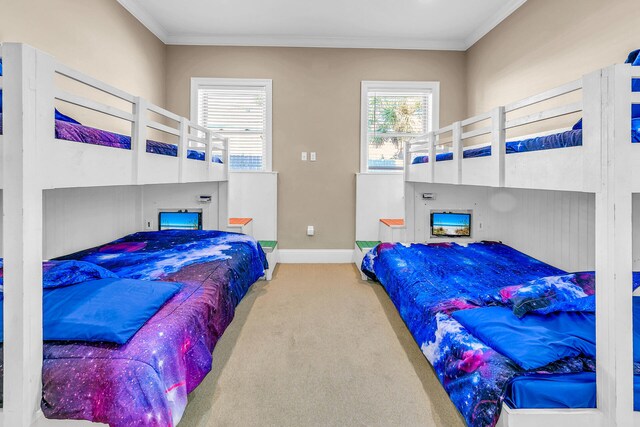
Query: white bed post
(498,143)
(183,144)
(614,347)
(457,152)
(207,154)
(139,138)
(28,118)
(431,165)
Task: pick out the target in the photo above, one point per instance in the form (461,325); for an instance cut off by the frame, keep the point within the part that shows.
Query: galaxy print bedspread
(145,382)
(427,283)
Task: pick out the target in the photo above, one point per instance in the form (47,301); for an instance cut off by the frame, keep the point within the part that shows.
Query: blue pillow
(577,126)
(535,340)
(64,118)
(633,59)
(57,274)
(106,310)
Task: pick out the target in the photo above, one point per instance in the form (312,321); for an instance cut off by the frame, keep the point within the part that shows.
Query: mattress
(571,138)
(145,382)
(427,283)
(78,133)
(559,391)
(571,390)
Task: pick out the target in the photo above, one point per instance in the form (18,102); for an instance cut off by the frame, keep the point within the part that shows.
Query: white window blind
(394,116)
(240,113)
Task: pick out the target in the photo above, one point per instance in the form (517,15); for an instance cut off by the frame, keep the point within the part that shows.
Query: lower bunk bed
(104,360)
(498,326)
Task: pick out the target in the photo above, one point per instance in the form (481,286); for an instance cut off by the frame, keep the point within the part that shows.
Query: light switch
(313,156)
(304,156)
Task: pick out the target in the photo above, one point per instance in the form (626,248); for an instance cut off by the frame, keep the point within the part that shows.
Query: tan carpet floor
(317,346)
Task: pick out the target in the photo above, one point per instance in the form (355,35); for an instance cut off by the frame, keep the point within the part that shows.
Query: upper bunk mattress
(145,382)
(75,132)
(427,283)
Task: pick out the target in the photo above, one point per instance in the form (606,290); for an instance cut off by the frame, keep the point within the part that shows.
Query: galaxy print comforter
(428,283)
(76,132)
(145,382)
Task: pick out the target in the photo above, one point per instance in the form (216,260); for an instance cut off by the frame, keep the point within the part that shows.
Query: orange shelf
(240,221)
(392,222)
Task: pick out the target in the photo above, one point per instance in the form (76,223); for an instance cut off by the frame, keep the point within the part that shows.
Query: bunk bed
(456,299)
(176,290)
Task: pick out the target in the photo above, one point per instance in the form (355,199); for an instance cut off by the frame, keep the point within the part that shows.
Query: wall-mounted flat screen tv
(181,220)
(450,224)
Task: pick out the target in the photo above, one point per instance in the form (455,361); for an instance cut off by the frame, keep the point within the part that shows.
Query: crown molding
(488,25)
(145,19)
(320,42)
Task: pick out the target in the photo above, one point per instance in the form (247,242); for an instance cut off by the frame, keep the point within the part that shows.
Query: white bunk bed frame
(606,165)
(32,161)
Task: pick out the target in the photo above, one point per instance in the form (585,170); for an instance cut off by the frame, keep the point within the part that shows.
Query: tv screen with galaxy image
(180,221)
(450,224)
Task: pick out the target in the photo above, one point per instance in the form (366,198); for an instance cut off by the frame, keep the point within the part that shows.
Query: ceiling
(395,24)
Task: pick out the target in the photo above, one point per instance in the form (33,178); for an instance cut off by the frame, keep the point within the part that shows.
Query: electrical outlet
(310,230)
(313,156)
(304,156)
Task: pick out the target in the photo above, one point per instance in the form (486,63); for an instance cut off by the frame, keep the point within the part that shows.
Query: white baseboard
(315,256)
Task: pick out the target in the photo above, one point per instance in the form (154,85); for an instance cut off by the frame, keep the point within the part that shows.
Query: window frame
(198,83)
(372,85)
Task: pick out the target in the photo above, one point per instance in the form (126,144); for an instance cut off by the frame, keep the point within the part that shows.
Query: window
(392,114)
(239,109)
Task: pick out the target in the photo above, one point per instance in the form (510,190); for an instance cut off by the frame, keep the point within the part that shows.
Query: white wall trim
(146,19)
(315,256)
(321,42)
(199,82)
(502,14)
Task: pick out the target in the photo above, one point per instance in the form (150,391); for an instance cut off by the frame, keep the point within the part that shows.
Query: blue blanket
(535,340)
(105,310)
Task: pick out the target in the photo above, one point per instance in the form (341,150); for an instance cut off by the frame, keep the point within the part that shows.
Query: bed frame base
(550,417)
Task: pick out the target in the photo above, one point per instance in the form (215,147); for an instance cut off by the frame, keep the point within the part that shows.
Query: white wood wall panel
(555,227)
(255,195)
(180,196)
(378,195)
(80,218)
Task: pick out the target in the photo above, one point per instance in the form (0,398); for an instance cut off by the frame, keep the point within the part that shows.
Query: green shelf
(268,245)
(367,244)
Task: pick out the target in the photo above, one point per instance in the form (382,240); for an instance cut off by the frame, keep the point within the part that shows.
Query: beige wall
(316,107)
(97,37)
(546,43)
